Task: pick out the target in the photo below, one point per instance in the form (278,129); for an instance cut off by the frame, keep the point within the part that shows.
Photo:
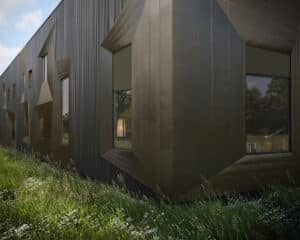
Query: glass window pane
(4,95)
(24,80)
(42,127)
(267,115)
(123,113)
(14,91)
(45,113)
(29,79)
(13,136)
(122,85)
(26,125)
(65,111)
(46,68)
(12,122)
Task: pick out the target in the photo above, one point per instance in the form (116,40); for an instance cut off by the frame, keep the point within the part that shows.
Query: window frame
(4,94)
(13,134)
(115,121)
(11,118)
(45,67)
(14,91)
(26,112)
(41,127)
(290,113)
(114,103)
(45,129)
(8,96)
(24,81)
(67,77)
(30,76)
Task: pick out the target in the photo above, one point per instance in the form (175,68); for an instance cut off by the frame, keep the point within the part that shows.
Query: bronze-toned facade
(179,95)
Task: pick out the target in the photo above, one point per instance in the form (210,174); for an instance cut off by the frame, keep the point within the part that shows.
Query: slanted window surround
(117,40)
(268,101)
(44,106)
(122,104)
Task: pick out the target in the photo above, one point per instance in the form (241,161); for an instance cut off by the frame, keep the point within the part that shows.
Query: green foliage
(269,110)
(39,201)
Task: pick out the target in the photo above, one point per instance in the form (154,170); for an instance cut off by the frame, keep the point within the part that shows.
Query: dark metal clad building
(176,95)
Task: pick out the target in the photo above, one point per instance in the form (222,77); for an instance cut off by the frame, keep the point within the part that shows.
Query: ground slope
(40,201)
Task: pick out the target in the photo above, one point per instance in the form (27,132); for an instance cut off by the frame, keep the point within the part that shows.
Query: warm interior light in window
(121,127)
(122,99)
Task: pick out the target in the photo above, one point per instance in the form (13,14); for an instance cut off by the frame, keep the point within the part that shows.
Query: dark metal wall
(209,98)
(79,27)
(85,24)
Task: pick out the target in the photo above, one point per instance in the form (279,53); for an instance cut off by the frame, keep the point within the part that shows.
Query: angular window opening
(24,81)
(65,111)
(45,67)
(12,129)
(26,123)
(42,127)
(26,113)
(268,101)
(122,92)
(44,113)
(8,95)
(4,96)
(14,91)
(30,79)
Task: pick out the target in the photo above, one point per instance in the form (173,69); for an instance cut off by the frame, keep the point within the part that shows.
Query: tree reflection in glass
(123,113)
(65,112)
(267,114)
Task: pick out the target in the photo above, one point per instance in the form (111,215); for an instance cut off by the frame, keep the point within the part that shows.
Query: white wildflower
(21,231)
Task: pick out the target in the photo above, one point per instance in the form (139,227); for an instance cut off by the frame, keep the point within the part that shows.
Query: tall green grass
(40,201)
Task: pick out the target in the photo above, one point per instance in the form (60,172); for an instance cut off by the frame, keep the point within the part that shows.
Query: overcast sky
(19,19)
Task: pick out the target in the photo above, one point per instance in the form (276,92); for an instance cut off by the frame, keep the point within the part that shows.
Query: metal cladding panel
(152,95)
(208,92)
(81,29)
(91,77)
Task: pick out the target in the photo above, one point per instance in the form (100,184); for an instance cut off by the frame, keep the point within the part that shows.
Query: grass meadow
(41,201)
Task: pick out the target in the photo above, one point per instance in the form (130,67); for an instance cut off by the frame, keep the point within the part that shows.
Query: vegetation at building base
(40,201)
